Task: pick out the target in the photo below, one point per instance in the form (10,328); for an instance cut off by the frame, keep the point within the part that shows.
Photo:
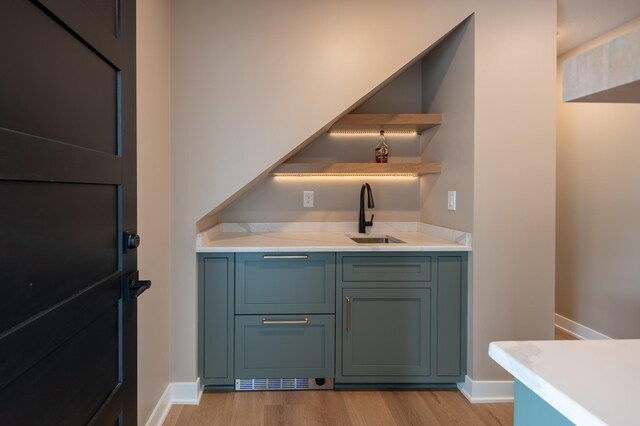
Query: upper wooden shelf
(391,122)
(356,169)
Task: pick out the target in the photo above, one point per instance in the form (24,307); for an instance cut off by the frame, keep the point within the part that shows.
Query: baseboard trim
(176,393)
(161,409)
(487,391)
(578,330)
(186,393)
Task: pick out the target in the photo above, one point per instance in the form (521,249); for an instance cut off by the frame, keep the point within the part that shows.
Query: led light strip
(344,174)
(373,132)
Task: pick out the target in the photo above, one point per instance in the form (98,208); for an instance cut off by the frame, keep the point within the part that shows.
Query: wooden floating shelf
(356,169)
(388,122)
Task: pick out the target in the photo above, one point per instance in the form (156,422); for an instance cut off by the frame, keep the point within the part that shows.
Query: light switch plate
(451,200)
(307,199)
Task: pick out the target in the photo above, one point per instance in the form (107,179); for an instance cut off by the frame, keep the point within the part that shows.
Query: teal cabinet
(531,410)
(284,315)
(285,283)
(450,317)
(362,318)
(386,267)
(401,318)
(386,332)
(287,346)
(215,318)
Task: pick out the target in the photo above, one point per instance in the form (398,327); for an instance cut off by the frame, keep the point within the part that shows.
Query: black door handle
(131,241)
(135,287)
(139,287)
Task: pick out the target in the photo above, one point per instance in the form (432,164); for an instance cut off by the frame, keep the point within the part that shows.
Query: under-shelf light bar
(406,175)
(373,132)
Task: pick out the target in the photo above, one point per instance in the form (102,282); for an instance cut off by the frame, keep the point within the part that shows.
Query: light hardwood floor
(370,408)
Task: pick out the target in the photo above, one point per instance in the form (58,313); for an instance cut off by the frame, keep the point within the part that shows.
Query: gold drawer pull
(348,299)
(285,256)
(285,322)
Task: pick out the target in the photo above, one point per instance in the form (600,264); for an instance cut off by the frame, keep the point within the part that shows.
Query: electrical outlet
(451,200)
(307,199)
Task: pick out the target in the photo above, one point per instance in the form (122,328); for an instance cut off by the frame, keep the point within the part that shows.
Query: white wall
(447,88)
(279,199)
(154,202)
(252,80)
(598,200)
(514,177)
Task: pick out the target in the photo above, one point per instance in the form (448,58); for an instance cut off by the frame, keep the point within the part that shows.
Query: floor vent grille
(282,384)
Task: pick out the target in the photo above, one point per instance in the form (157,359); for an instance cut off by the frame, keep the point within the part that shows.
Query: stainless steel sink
(385,239)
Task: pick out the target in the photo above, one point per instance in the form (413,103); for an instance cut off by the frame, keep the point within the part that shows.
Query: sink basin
(384,239)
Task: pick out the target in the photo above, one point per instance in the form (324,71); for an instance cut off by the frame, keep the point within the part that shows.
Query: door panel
(215,312)
(450,316)
(60,89)
(389,332)
(44,218)
(107,12)
(33,340)
(18,162)
(68,191)
(70,389)
(83,20)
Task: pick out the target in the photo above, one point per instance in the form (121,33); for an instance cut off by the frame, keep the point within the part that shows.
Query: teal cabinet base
(531,410)
(217,388)
(369,320)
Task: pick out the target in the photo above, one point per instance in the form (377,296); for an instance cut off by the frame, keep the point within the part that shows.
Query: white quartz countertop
(284,237)
(591,382)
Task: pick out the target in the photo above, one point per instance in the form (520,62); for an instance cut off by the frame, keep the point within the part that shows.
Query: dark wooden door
(67,196)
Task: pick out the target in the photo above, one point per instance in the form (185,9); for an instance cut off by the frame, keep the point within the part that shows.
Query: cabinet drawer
(291,346)
(388,267)
(291,283)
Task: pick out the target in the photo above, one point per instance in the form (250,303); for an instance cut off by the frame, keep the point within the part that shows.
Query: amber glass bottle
(382,149)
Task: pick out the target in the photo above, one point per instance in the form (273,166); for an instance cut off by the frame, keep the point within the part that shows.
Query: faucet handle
(370,223)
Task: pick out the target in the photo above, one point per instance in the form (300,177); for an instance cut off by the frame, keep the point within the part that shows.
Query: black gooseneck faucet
(362,223)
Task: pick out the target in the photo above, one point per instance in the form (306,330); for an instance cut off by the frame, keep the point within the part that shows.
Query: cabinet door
(386,332)
(215,318)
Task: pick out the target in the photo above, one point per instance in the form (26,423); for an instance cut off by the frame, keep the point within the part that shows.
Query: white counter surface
(333,236)
(590,382)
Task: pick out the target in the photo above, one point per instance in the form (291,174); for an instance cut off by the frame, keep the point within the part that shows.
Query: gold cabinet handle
(348,299)
(285,322)
(285,256)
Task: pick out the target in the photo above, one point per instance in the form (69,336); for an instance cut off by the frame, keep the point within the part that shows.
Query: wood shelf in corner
(388,122)
(356,169)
